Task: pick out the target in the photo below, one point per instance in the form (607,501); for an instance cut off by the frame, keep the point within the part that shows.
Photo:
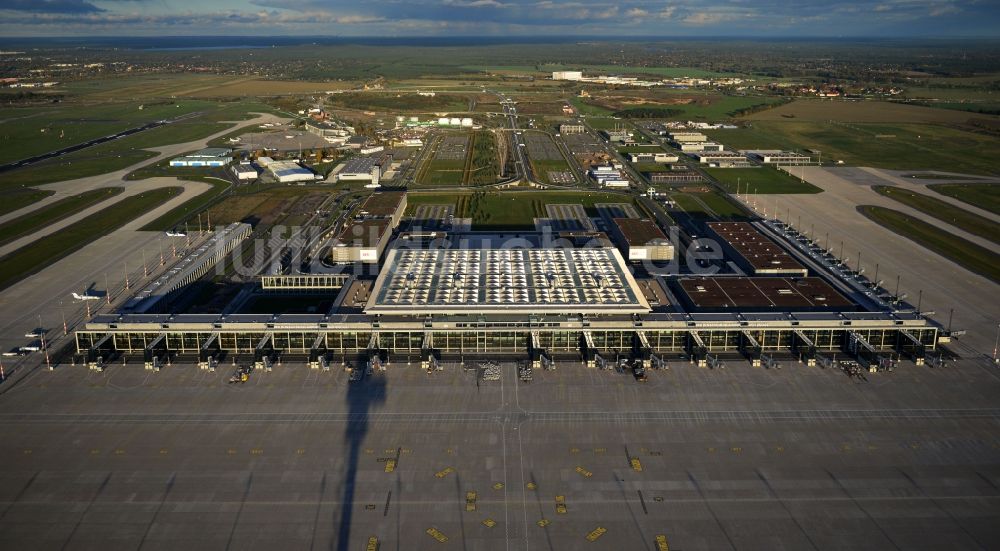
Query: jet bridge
(696,349)
(155,352)
(535,352)
(208,356)
(317,353)
(641,350)
(587,349)
(804,348)
(427,352)
(911,346)
(750,348)
(377,358)
(99,353)
(863,351)
(263,353)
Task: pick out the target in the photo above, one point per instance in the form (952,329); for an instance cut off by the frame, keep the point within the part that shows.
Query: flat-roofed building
(674,177)
(289,171)
(779,157)
(720,158)
(760,293)
(502,281)
(572,129)
(755,251)
(208,157)
(688,137)
(641,239)
(384,204)
(244,171)
(362,241)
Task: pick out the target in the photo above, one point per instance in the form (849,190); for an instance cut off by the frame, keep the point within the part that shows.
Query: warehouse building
(288,172)
(676,177)
(572,129)
(758,254)
(681,137)
(361,169)
(362,241)
(722,159)
(779,158)
(641,239)
(244,171)
(365,238)
(567,75)
(208,157)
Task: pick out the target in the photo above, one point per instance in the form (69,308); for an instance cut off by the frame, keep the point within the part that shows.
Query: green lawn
(31,131)
(588,110)
(92,161)
(49,214)
(542,167)
(984,196)
(124,152)
(901,146)
(651,167)
(963,252)
(504,211)
(18,199)
(709,205)
(43,252)
(759,180)
(444,172)
(944,211)
(190,208)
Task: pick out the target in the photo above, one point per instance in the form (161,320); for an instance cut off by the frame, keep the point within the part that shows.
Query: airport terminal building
(518,296)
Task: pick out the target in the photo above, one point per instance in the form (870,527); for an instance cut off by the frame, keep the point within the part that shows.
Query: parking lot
(735,458)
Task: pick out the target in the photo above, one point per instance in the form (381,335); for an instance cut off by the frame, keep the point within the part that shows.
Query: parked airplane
(85,296)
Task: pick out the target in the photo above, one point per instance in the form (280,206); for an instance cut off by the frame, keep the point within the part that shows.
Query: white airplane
(176,234)
(85,296)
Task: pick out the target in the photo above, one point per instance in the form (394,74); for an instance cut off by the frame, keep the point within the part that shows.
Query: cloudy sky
(936,18)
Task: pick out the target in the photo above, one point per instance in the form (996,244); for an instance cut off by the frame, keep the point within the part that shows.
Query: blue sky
(781,18)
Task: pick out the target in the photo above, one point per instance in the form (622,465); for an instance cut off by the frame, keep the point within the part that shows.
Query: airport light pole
(996,344)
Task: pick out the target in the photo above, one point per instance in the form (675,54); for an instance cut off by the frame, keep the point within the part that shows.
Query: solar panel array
(483,278)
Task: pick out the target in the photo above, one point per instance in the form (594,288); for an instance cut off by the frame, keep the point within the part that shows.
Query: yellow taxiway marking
(596,533)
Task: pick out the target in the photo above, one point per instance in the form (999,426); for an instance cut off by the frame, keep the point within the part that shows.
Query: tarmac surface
(44,300)
(740,458)
(945,285)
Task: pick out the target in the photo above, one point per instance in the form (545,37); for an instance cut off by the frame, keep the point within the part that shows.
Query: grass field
(902,146)
(818,110)
(503,211)
(542,167)
(759,180)
(32,131)
(963,252)
(709,205)
(18,199)
(189,209)
(651,167)
(49,214)
(984,196)
(587,109)
(444,172)
(944,211)
(93,161)
(124,152)
(43,252)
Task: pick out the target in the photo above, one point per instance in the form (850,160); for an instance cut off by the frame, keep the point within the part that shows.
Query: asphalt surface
(742,458)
